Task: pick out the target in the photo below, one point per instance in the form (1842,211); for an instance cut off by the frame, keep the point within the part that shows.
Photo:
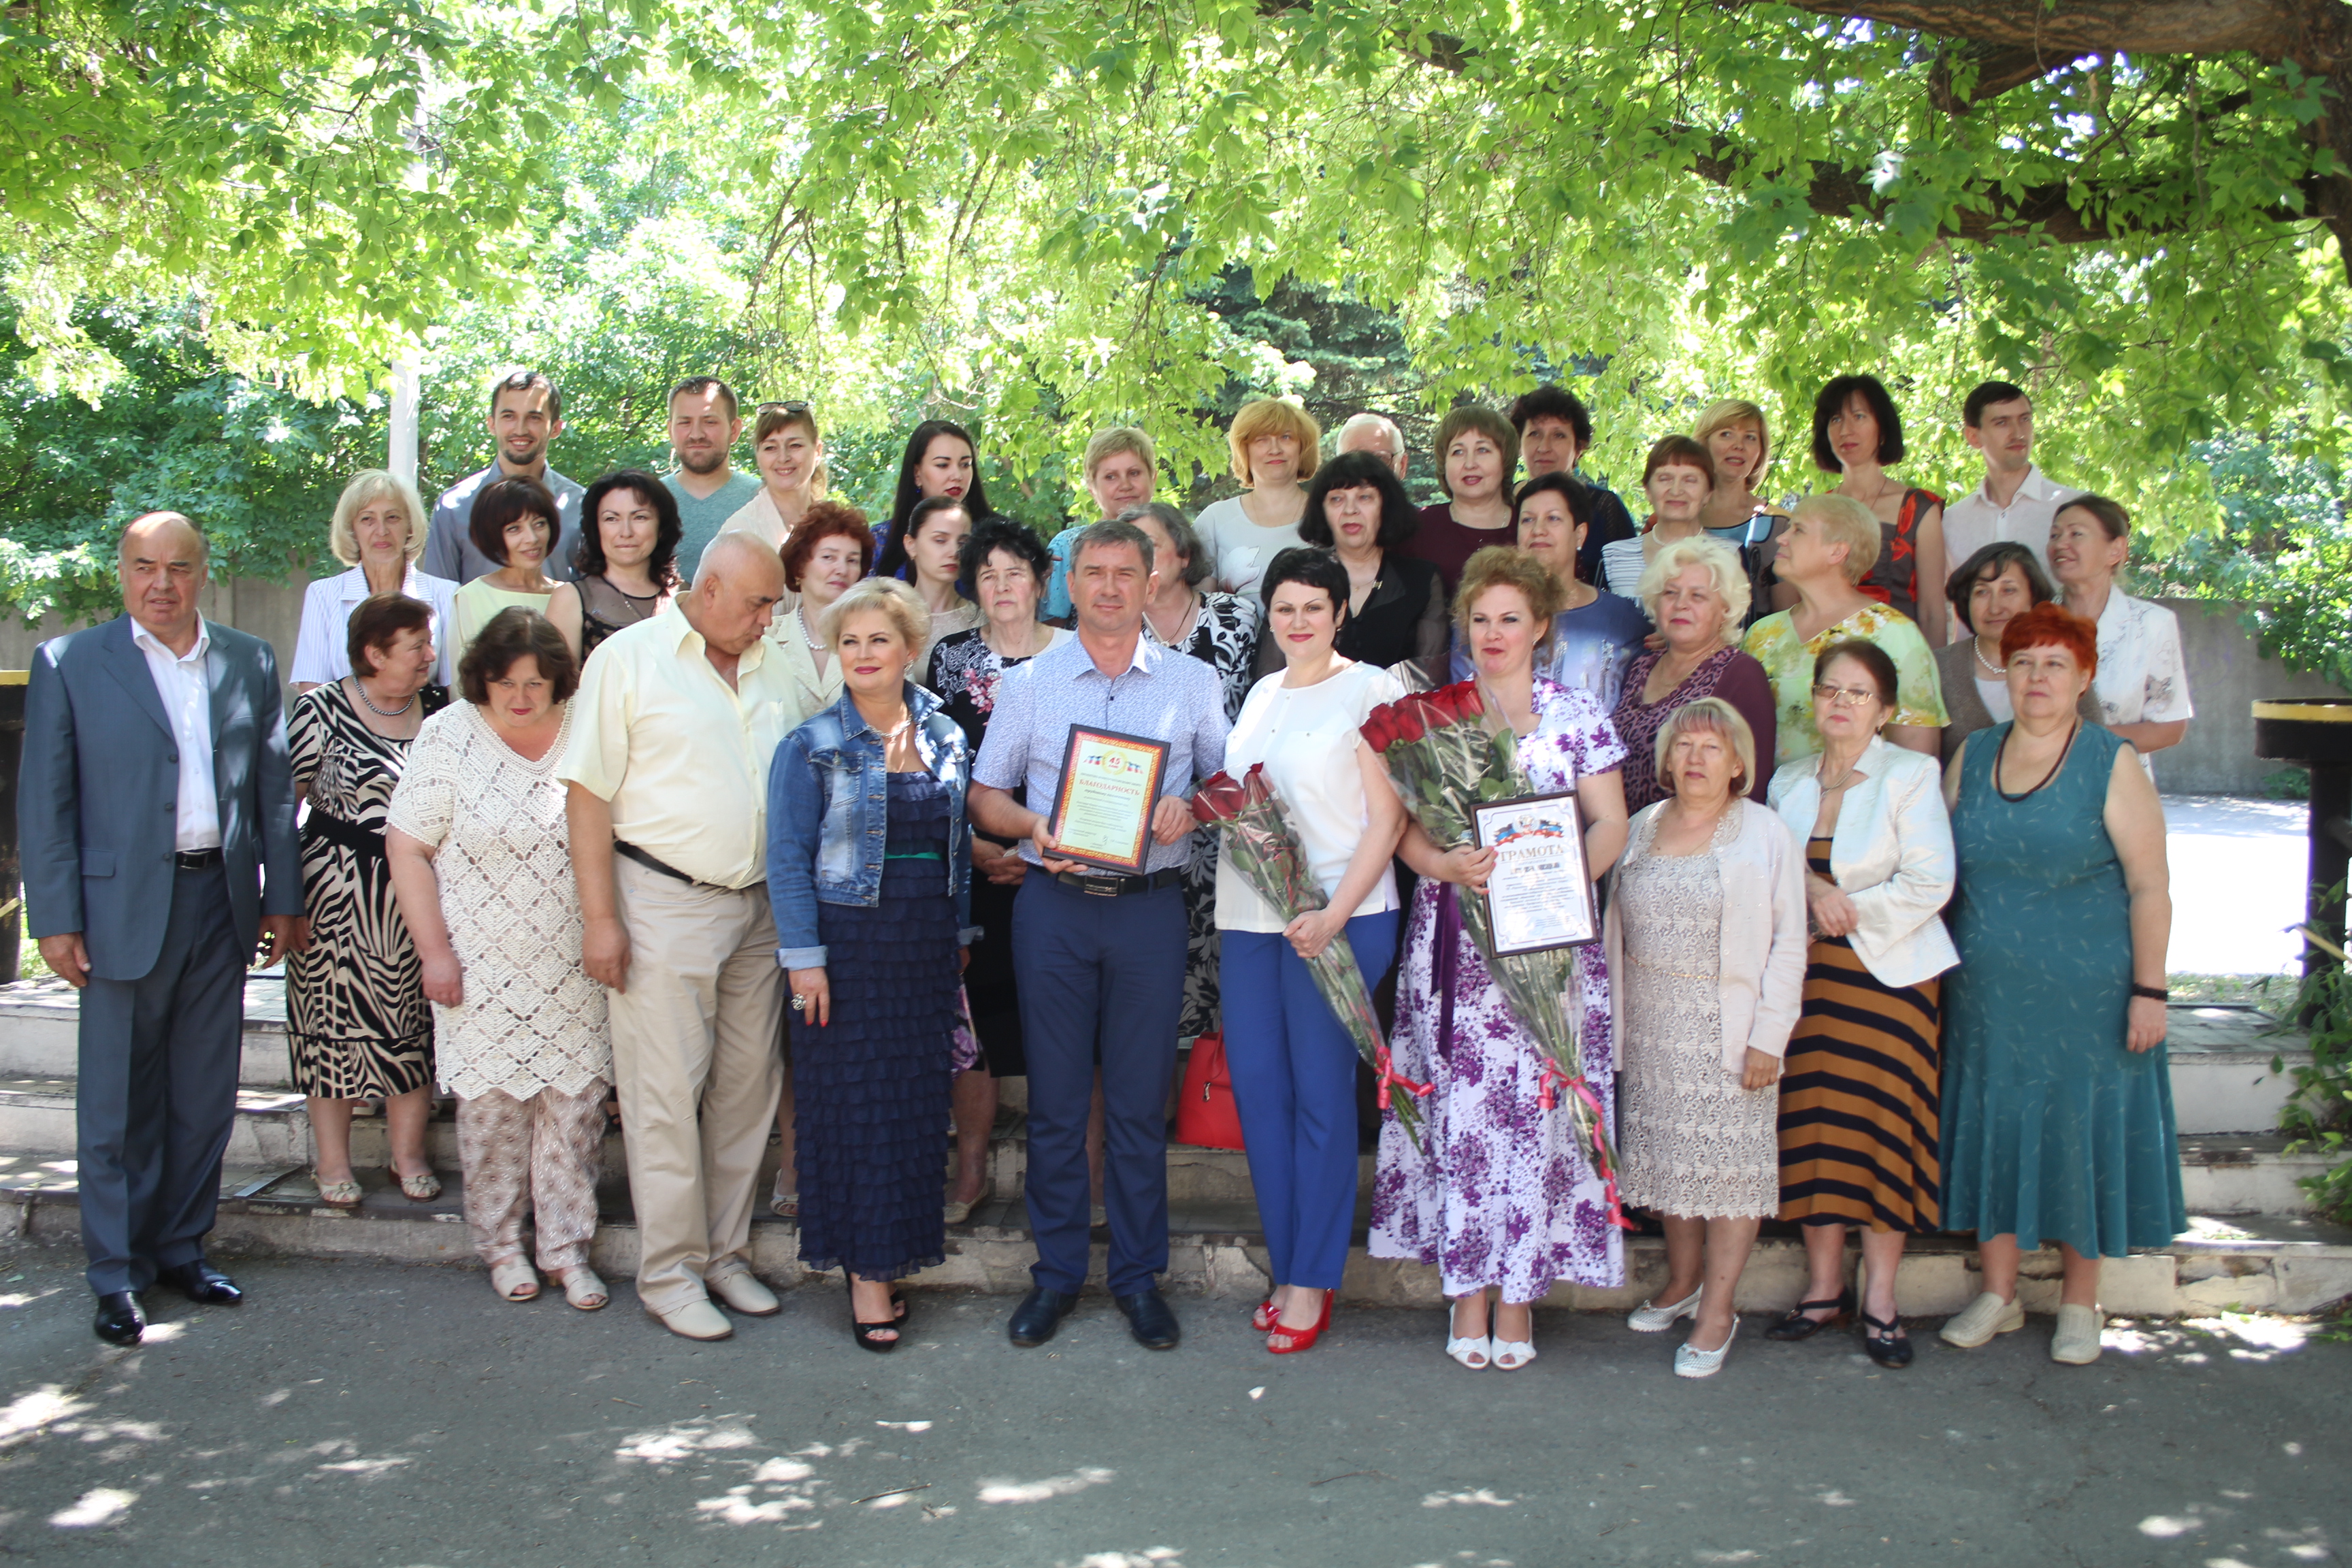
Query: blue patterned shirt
(1162,694)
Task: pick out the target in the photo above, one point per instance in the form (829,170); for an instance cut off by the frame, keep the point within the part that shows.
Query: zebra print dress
(356,1019)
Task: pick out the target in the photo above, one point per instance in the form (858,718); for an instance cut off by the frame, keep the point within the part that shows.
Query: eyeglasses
(1845,696)
(792,406)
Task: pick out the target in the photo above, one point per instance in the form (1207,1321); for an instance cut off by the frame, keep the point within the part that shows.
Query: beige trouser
(694,1058)
(542,1155)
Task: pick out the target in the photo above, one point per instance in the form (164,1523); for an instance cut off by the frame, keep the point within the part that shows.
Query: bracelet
(2153,993)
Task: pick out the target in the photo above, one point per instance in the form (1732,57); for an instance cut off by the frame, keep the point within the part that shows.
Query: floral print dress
(1503,1196)
(1788,660)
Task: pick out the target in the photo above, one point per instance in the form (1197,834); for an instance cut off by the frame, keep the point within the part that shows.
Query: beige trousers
(542,1155)
(694,1058)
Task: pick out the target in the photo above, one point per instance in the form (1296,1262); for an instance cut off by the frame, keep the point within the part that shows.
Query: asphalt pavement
(376,1414)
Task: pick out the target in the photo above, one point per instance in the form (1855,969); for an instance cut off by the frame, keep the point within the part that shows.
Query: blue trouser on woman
(1293,1072)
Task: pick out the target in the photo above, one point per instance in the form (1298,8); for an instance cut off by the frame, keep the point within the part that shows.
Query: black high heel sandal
(864,1332)
(1798,1326)
(1888,1345)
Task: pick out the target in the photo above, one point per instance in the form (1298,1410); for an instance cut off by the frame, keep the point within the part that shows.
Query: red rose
(1254,786)
(1472,705)
(1407,719)
(1443,704)
(1219,799)
(1379,729)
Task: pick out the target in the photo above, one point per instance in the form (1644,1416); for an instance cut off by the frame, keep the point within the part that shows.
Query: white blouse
(1239,551)
(2143,677)
(1306,737)
(321,650)
(532,1018)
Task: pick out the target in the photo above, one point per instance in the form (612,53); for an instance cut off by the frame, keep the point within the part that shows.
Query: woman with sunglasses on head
(1858,1090)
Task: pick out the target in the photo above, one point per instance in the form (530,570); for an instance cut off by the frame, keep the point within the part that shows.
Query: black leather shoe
(201,1283)
(1040,1313)
(1152,1320)
(120,1320)
(1888,1345)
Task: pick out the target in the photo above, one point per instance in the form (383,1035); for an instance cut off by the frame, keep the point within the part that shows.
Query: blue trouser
(157,1095)
(1107,973)
(1293,1072)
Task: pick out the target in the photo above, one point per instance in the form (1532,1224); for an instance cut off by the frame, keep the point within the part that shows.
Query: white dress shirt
(1974,520)
(187,697)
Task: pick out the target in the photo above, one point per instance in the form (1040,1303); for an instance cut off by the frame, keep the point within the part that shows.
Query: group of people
(738,817)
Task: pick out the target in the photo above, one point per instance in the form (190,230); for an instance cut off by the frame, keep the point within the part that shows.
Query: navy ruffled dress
(871,1089)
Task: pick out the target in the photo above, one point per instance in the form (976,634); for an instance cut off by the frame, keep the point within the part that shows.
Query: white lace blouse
(532,1018)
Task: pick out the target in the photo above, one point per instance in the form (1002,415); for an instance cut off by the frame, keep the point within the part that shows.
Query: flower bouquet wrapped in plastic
(1258,842)
(1446,756)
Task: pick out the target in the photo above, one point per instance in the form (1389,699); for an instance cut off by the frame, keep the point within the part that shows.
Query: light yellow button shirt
(682,759)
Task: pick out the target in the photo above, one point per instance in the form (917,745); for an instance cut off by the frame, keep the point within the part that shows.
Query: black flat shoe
(1888,1344)
(201,1283)
(865,1333)
(119,1321)
(1150,1320)
(1798,1326)
(1040,1313)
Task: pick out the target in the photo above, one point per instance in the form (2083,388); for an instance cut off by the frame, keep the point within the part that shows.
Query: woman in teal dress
(2057,1095)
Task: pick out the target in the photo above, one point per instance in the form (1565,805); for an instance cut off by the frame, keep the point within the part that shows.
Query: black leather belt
(196,859)
(1108,887)
(350,835)
(631,852)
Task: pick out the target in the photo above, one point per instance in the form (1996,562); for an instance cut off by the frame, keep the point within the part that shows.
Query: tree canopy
(1030,212)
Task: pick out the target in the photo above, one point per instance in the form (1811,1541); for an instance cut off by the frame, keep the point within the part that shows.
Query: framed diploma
(1102,807)
(1538,895)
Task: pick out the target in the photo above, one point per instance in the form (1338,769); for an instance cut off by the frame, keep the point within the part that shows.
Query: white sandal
(514,1280)
(1512,1354)
(582,1288)
(1477,1353)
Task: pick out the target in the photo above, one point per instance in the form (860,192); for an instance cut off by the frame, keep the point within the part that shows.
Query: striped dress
(1858,1093)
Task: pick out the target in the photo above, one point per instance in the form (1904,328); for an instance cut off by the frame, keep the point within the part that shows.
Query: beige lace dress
(1691,1142)
(532,1018)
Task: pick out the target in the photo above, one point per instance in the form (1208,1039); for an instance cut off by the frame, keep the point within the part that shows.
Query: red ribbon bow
(1388,1075)
(1576,1085)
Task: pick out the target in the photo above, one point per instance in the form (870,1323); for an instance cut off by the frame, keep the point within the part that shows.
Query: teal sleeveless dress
(2053,1130)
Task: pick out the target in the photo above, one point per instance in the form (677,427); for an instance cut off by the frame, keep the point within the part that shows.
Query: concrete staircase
(2253,1246)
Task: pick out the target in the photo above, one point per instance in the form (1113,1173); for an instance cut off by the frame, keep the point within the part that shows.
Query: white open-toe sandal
(1512,1354)
(1477,1354)
(582,1289)
(514,1280)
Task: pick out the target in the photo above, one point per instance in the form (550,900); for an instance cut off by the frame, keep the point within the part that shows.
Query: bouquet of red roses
(1446,756)
(1259,843)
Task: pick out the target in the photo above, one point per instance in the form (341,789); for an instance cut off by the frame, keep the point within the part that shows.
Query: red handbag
(1206,1116)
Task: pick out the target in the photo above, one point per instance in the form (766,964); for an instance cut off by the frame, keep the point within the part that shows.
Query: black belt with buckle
(1105,887)
(196,859)
(630,851)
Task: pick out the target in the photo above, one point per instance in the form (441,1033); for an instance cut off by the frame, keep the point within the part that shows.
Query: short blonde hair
(1845,520)
(369,485)
(1733,411)
(1274,416)
(1508,566)
(1714,716)
(894,600)
(1722,570)
(1110,443)
(775,416)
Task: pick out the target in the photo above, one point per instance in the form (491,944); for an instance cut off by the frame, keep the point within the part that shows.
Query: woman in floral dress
(1503,1199)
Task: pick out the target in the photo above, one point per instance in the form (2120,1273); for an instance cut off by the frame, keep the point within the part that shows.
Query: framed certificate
(1538,896)
(1102,807)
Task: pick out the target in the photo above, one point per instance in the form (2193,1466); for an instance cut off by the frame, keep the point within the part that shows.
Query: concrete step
(2222,1080)
(1216,1250)
(2247,1173)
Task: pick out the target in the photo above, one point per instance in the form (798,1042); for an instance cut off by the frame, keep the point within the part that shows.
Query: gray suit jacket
(97,798)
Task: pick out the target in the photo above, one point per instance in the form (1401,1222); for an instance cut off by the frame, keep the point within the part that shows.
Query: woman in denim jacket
(869,867)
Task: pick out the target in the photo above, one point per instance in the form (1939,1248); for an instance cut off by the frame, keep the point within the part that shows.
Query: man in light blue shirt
(526,414)
(703,427)
(1101,956)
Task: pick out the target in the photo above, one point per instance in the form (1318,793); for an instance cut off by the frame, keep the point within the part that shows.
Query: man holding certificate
(1109,733)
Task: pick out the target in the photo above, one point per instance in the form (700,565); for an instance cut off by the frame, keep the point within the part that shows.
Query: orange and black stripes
(1858,1098)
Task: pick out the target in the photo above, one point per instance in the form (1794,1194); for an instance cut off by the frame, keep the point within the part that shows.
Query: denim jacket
(828,818)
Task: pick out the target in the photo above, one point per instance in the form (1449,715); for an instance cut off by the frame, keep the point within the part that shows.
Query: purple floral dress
(1503,1196)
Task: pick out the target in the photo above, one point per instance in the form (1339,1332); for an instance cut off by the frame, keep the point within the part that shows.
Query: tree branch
(2312,33)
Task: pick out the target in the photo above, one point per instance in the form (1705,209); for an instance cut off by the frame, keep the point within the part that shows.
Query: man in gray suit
(156,815)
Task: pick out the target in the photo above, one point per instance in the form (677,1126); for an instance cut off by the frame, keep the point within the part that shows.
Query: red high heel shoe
(1265,1316)
(1282,1341)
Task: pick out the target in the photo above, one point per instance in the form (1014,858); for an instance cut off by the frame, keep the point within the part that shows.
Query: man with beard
(703,426)
(526,414)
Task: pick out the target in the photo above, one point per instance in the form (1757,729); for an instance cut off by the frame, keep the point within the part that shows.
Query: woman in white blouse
(1292,1061)
(1859,1117)
(480,862)
(1275,447)
(2143,681)
(378,531)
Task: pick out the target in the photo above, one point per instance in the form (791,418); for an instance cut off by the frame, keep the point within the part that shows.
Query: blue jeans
(1293,1072)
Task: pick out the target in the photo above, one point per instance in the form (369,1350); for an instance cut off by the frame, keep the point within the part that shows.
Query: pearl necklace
(1983,663)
